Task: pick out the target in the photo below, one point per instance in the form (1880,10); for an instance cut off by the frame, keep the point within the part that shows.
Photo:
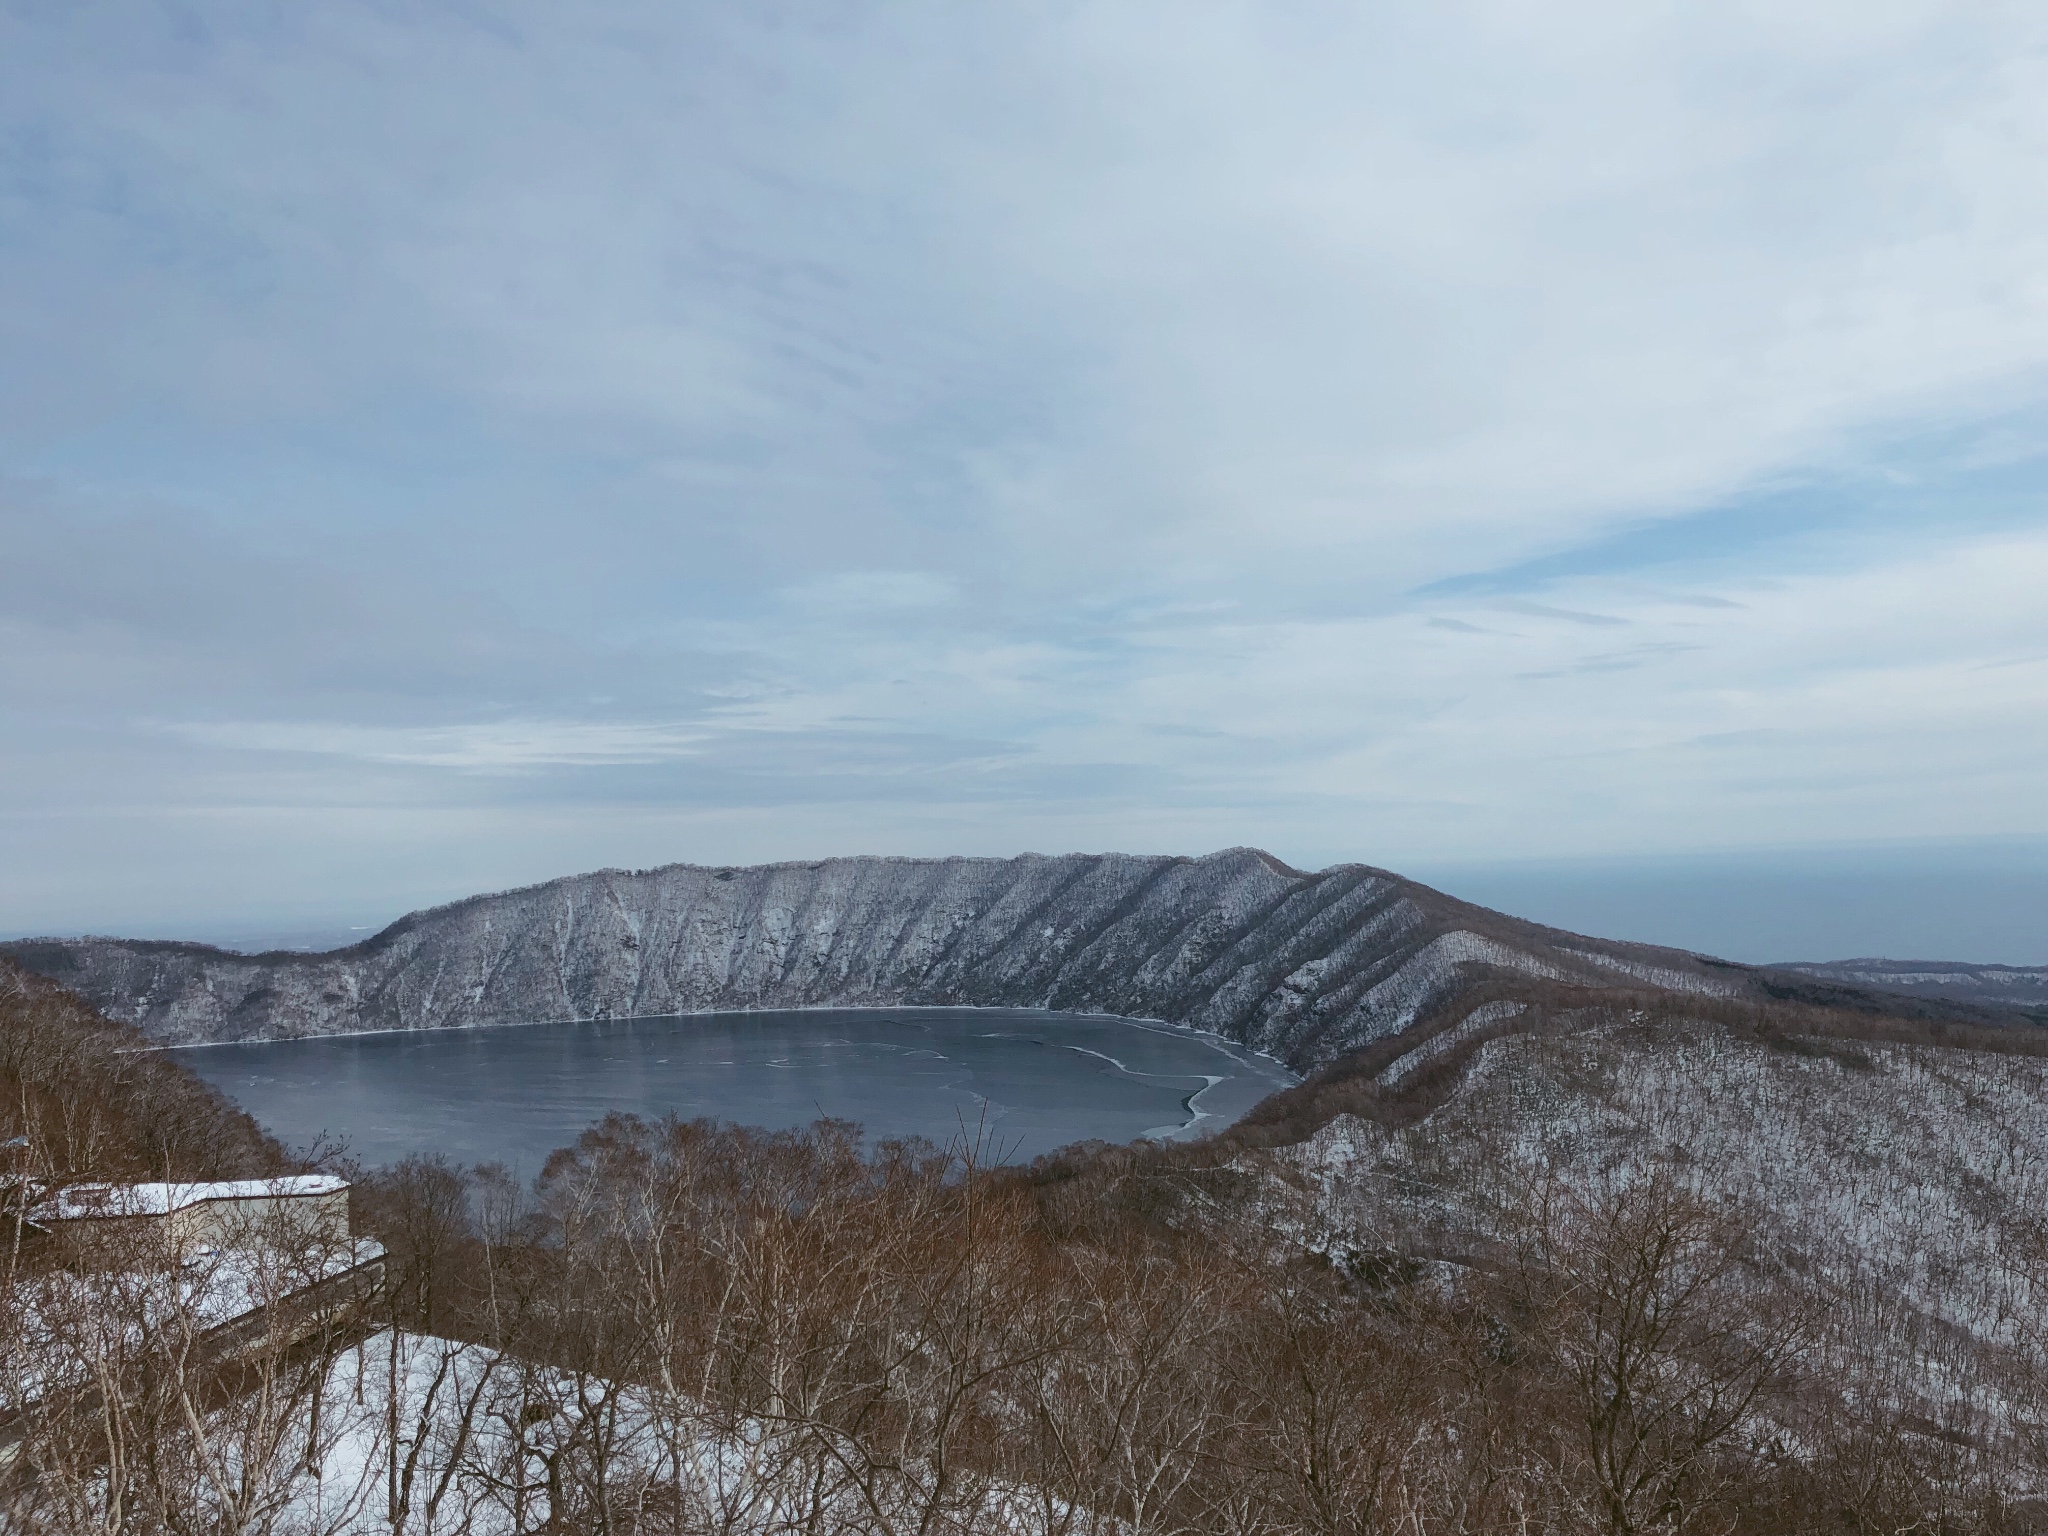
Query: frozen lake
(513,1093)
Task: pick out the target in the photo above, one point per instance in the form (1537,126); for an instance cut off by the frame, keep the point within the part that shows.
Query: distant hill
(2015,986)
(1306,966)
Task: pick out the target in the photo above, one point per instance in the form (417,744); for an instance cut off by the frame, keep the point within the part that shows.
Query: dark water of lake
(1028,1081)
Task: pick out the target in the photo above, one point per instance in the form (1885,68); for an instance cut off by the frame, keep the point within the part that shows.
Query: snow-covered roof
(209,1291)
(83,1201)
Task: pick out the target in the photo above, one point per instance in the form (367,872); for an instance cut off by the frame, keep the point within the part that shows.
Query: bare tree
(161,1389)
(1667,1342)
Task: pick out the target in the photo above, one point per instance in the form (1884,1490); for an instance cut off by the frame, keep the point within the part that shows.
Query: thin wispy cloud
(507,746)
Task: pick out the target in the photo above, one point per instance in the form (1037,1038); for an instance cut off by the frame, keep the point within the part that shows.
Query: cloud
(887,593)
(500,746)
(1565,615)
(925,428)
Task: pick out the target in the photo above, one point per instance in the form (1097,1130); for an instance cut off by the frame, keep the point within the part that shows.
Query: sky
(1588,454)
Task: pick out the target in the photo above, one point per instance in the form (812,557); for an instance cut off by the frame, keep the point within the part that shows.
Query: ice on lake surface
(1029,1081)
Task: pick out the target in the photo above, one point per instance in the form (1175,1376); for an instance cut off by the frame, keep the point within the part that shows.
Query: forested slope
(88,1100)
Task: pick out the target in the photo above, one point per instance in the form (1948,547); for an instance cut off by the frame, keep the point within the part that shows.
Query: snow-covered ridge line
(1302,966)
(1999,985)
(1485,1015)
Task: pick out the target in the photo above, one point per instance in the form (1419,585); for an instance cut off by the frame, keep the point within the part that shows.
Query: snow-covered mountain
(1307,966)
(2023,986)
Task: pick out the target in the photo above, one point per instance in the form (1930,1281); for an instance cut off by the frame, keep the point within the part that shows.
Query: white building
(302,1210)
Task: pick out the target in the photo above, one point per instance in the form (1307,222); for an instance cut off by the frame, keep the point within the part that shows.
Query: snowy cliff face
(1305,966)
